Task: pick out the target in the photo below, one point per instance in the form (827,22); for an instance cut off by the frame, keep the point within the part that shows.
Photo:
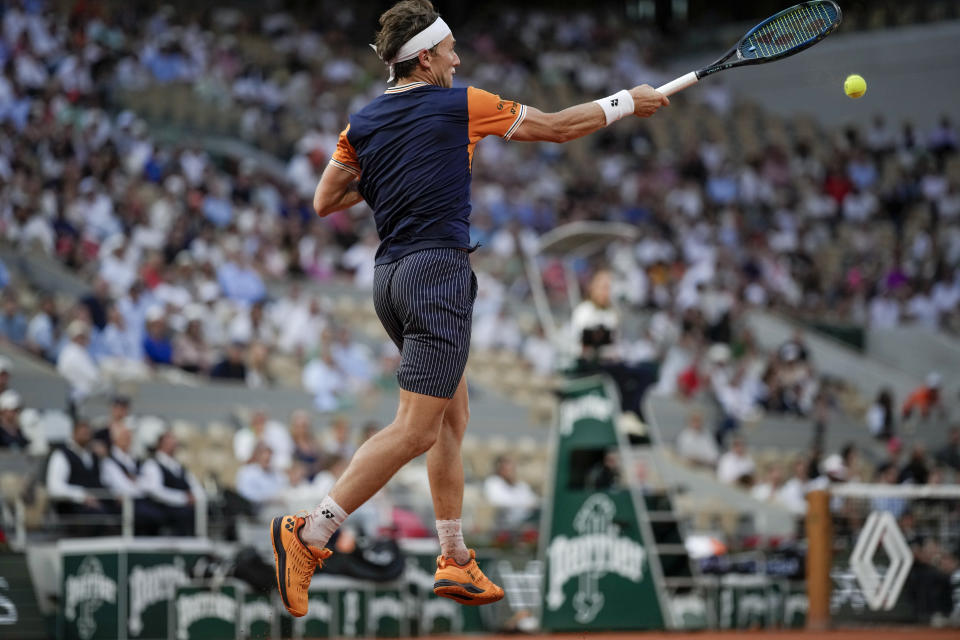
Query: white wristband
(617,106)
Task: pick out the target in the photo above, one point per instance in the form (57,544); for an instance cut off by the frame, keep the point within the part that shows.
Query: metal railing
(126,519)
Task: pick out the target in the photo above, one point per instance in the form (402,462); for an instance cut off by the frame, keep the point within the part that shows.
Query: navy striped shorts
(425,302)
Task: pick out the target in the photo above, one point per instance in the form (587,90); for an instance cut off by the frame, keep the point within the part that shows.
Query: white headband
(426,39)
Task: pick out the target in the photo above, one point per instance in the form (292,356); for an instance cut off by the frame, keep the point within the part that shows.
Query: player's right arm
(582,119)
(338,186)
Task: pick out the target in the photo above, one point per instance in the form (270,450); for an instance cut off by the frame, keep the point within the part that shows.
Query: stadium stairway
(833,358)
(916,351)
(42,272)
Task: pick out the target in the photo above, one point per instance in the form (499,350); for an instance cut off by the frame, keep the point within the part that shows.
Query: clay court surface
(853,634)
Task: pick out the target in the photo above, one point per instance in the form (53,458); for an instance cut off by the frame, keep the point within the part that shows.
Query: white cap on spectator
(833,466)
(10,400)
(719,354)
(77,328)
(154,313)
(6,366)
(933,380)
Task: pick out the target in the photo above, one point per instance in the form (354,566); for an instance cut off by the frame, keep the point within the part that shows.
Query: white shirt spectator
(77,365)
(517,500)
(152,481)
(923,310)
(884,312)
(793,496)
(259,485)
(698,446)
(275,435)
(733,466)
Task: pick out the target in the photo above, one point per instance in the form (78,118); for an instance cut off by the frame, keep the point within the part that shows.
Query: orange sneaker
(294,561)
(464,583)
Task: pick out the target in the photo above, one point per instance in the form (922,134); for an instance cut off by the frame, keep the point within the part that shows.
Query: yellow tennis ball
(855,86)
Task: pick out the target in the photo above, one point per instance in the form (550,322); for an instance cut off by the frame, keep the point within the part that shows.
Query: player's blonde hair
(398,24)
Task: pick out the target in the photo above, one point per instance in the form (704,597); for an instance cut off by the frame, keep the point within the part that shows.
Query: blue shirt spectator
(241,282)
(13,325)
(156,343)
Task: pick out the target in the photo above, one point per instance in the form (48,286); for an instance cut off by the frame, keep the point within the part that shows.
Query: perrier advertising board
(600,573)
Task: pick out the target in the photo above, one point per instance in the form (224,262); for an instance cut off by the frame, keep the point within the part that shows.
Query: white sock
(322,523)
(451,541)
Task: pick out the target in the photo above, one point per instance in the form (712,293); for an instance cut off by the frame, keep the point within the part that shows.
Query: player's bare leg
(458,577)
(412,433)
(444,462)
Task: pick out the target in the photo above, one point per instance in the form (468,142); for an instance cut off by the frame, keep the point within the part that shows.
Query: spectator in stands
(42,336)
(77,365)
(949,454)
(306,449)
(895,505)
(323,379)
(156,343)
(767,490)
(926,400)
(695,445)
(97,302)
(73,479)
(792,494)
(881,416)
(916,471)
(258,371)
(190,350)
(233,366)
(514,500)
(120,474)
(119,417)
(118,350)
(170,485)
(6,368)
(269,432)
(258,481)
(337,441)
(840,467)
(736,466)
(13,324)
(11,435)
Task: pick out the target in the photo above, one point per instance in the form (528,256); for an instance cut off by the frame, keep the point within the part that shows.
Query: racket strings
(803,24)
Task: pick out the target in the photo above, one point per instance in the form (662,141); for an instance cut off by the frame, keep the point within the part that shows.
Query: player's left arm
(338,188)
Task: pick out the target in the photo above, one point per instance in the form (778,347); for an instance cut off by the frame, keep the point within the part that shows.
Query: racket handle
(679,84)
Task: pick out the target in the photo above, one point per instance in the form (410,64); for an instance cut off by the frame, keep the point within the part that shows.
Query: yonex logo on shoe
(326,513)
(289,525)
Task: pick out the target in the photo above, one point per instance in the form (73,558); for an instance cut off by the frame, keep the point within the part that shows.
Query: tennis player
(409,154)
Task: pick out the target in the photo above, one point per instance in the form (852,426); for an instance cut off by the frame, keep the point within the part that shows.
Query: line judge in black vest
(120,473)
(73,473)
(173,487)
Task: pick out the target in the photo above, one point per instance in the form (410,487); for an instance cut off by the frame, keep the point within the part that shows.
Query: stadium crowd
(204,265)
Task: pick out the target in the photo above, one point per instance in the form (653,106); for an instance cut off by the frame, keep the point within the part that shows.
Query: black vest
(80,474)
(131,473)
(172,481)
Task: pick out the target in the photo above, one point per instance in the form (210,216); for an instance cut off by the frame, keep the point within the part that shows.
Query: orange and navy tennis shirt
(412,150)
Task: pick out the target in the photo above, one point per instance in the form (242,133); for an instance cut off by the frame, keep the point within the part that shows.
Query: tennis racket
(779,36)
